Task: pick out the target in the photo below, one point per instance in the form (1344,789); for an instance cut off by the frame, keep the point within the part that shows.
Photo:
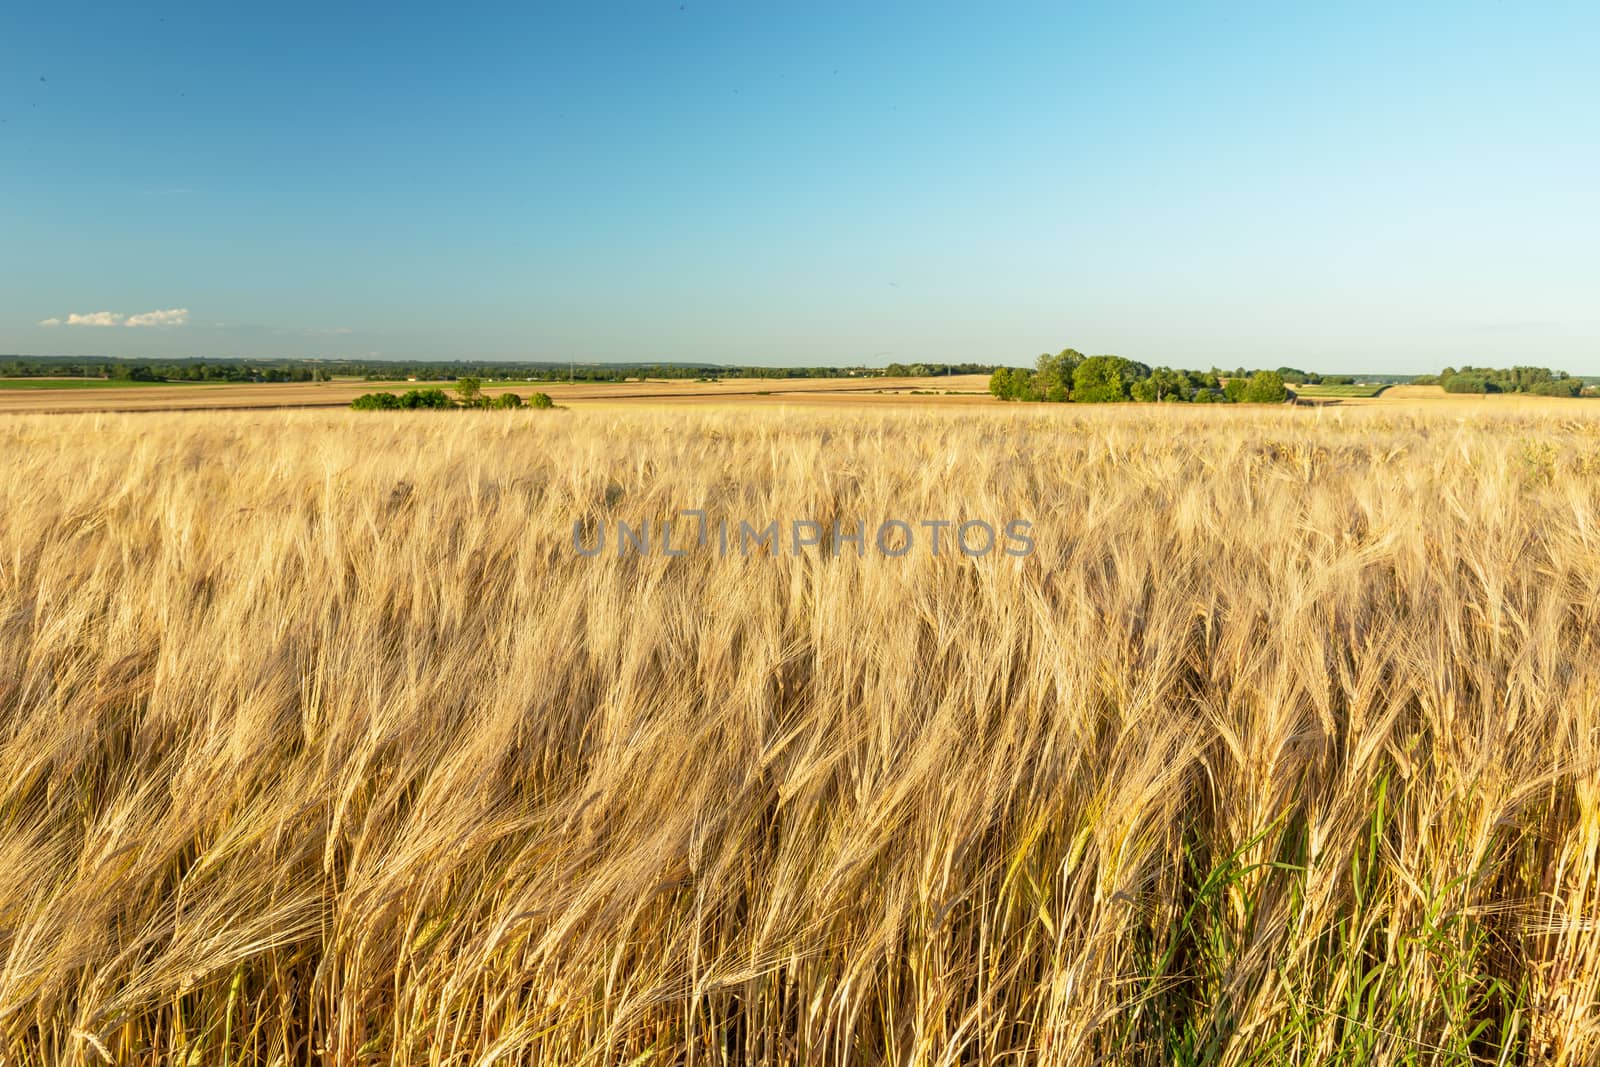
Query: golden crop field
(324,741)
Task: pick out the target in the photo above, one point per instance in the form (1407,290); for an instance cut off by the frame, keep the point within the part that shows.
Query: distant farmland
(65,395)
(52,384)
(1359,390)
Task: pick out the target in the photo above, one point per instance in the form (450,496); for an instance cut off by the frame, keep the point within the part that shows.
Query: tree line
(1069,376)
(303,370)
(1053,378)
(1537,381)
(152,371)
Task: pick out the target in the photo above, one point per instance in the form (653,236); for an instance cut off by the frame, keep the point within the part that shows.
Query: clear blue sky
(1383,187)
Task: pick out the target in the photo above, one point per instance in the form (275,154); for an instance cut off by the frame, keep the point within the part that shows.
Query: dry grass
(318,743)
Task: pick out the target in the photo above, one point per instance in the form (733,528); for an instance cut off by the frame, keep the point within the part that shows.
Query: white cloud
(169,317)
(95,318)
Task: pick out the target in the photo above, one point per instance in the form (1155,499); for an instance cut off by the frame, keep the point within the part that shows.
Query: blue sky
(1341,187)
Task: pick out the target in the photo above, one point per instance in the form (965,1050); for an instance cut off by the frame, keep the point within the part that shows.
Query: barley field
(321,742)
(76,395)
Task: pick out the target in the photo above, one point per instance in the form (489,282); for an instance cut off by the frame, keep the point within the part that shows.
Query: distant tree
(1462,382)
(424,398)
(376,402)
(506,400)
(1105,379)
(541,400)
(1052,378)
(1558,387)
(1165,384)
(1012,383)
(468,390)
(1265,387)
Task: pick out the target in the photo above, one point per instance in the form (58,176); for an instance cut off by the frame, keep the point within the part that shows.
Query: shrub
(434,399)
(376,402)
(425,398)
(541,401)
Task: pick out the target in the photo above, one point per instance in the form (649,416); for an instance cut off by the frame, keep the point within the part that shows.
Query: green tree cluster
(1071,377)
(469,395)
(1539,381)
(930,370)
(410,400)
